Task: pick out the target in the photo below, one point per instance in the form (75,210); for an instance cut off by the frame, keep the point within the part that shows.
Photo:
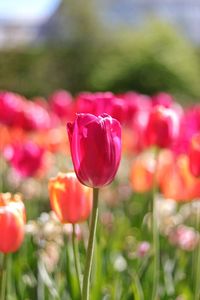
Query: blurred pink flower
(61,103)
(36,117)
(184,237)
(99,103)
(11,109)
(26,159)
(163,99)
(143,249)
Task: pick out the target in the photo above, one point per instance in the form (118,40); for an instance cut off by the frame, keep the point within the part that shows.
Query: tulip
(95,144)
(26,159)
(12,220)
(11,109)
(194,155)
(35,116)
(142,173)
(163,99)
(70,200)
(62,105)
(136,103)
(162,127)
(99,103)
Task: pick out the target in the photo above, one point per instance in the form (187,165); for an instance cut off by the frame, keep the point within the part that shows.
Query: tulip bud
(12,221)
(194,155)
(162,127)
(95,144)
(70,200)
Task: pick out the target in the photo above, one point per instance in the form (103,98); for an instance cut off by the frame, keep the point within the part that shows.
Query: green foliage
(155,58)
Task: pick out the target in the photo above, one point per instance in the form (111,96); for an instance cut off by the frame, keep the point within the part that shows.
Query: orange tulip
(142,173)
(178,183)
(12,221)
(70,200)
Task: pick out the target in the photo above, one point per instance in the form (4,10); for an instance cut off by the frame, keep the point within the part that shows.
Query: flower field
(99,197)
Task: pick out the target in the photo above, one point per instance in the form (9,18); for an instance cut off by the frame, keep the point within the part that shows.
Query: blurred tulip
(36,117)
(26,159)
(135,103)
(95,144)
(142,173)
(70,200)
(11,109)
(12,221)
(62,105)
(162,127)
(163,99)
(177,182)
(194,155)
(99,103)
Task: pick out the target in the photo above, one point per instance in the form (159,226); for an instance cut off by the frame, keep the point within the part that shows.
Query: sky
(28,11)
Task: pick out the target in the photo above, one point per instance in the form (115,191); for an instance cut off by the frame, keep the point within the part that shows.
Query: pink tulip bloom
(99,103)
(136,103)
(162,127)
(11,109)
(36,117)
(62,105)
(163,99)
(95,144)
(25,159)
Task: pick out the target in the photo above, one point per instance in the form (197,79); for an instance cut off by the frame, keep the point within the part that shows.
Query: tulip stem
(76,257)
(90,248)
(197,273)
(3,277)
(156,246)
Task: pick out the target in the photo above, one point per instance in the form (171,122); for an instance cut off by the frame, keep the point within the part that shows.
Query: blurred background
(118,45)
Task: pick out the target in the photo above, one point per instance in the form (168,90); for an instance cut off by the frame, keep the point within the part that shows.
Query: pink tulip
(162,127)
(11,109)
(35,117)
(95,144)
(62,105)
(26,159)
(163,99)
(99,103)
(136,103)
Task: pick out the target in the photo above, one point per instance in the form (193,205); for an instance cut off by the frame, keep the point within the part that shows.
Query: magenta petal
(95,144)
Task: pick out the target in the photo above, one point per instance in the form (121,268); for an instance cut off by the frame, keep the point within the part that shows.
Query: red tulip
(12,220)
(194,155)
(162,127)
(95,144)
(70,200)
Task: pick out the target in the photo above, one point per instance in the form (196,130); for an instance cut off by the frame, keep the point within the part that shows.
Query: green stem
(197,273)
(156,246)
(76,258)
(90,249)
(4,277)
